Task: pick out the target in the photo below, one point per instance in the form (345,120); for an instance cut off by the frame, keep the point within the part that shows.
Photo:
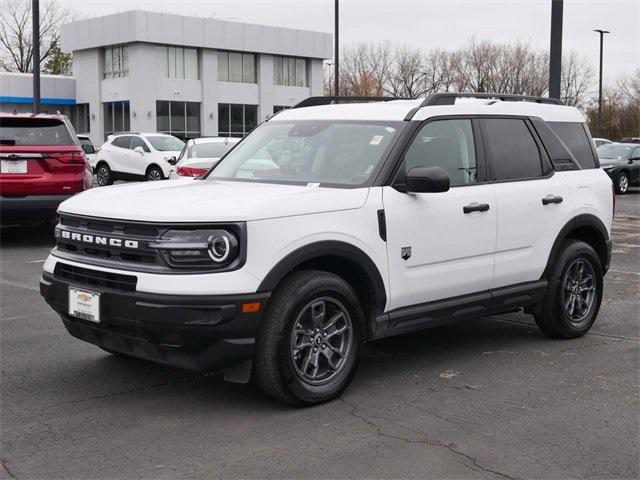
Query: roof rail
(449,98)
(321,100)
(124,133)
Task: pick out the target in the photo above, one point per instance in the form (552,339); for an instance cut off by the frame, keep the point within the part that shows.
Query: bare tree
(16,45)
(576,80)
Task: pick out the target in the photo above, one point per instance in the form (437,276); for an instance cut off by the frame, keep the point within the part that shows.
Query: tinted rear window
(575,138)
(514,152)
(34,131)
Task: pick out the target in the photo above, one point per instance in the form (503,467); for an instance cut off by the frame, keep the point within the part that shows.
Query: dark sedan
(621,161)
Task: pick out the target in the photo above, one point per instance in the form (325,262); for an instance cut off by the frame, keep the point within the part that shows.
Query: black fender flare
(583,220)
(351,254)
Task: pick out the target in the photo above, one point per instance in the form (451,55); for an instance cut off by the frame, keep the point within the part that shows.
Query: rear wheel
(622,183)
(574,293)
(154,173)
(308,344)
(103,175)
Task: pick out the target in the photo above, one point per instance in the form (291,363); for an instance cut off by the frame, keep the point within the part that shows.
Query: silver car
(200,154)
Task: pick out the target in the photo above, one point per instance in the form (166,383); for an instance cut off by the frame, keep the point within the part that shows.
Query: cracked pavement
(487,398)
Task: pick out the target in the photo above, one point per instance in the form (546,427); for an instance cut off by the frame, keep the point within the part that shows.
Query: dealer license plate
(84,304)
(13,166)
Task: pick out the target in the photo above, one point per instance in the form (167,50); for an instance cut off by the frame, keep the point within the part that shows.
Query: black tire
(104,176)
(556,316)
(154,173)
(622,183)
(276,368)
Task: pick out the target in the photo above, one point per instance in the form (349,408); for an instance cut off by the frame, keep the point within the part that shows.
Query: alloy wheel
(623,183)
(321,340)
(579,290)
(102,176)
(154,175)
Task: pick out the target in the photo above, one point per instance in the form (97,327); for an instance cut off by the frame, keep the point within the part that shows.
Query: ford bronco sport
(373,219)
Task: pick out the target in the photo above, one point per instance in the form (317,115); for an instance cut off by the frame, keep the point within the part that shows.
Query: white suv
(358,221)
(136,156)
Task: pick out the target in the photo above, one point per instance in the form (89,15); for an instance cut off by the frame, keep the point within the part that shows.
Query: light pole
(601,32)
(555,49)
(336,33)
(35,16)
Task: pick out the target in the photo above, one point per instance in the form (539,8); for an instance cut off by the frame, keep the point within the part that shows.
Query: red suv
(42,164)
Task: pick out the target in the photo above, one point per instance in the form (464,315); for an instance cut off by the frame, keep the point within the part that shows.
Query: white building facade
(144,71)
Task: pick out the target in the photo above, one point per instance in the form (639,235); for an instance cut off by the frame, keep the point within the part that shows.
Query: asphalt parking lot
(489,398)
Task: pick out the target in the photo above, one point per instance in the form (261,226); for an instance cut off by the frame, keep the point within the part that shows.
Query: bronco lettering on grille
(98,239)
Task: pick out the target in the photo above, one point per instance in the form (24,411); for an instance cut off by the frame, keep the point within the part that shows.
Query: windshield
(166,144)
(209,150)
(614,151)
(333,152)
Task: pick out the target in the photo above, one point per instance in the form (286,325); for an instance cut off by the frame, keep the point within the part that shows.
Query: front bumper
(195,332)
(30,206)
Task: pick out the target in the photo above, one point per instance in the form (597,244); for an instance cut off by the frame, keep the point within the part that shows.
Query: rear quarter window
(34,131)
(574,136)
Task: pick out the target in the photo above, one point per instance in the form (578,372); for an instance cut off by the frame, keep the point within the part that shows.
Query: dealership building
(188,76)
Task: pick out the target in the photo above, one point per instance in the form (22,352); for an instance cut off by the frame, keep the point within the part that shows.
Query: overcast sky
(427,23)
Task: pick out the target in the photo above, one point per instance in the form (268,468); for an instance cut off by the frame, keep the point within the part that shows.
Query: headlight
(198,248)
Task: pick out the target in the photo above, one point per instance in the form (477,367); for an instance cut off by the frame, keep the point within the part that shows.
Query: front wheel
(574,293)
(154,173)
(308,344)
(622,183)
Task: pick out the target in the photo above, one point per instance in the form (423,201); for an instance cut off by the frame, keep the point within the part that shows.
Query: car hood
(192,200)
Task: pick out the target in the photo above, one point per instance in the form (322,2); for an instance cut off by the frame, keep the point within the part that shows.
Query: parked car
(200,154)
(373,219)
(601,141)
(42,164)
(136,156)
(630,140)
(621,161)
(90,151)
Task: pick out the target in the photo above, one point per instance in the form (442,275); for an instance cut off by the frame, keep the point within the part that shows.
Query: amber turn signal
(250,307)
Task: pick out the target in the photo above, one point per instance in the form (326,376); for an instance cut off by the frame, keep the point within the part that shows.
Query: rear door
(39,156)
(441,245)
(533,201)
(118,157)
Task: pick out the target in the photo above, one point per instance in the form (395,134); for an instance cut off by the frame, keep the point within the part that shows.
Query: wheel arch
(587,228)
(342,259)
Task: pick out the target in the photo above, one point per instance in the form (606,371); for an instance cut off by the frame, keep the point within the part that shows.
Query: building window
(116,61)
(181,119)
(116,117)
(236,120)
(236,67)
(177,62)
(79,116)
(290,71)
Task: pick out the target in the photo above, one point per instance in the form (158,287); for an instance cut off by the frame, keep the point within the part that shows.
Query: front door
(441,245)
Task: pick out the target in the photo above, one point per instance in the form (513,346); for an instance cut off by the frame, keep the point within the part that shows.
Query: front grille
(95,278)
(143,234)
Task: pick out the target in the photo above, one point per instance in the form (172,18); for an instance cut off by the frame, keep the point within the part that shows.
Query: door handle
(551,199)
(475,207)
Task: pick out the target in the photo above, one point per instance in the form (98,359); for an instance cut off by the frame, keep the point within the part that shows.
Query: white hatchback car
(200,154)
(136,156)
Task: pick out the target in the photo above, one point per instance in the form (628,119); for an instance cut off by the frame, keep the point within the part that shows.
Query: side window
(122,141)
(636,153)
(577,141)
(447,144)
(138,142)
(514,152)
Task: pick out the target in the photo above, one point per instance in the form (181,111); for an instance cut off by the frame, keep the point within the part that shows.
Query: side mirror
(140,150)
(172,160)
(88,149)
(427,180)
(632,159)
